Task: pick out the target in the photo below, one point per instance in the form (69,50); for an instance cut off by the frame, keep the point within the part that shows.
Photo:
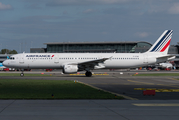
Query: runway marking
(126,97)
(158,90)
(141,82)
(162,105)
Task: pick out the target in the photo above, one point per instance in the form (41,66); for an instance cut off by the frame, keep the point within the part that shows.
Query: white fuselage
(58,60)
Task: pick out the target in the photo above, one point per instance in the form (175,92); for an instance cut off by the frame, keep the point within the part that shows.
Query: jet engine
(67,69)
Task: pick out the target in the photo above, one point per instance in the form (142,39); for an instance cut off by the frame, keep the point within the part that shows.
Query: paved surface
(164,105)
(88,110)
(123,84)
(127,85)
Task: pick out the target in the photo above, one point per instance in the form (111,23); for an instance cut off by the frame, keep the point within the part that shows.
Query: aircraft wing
(92,64)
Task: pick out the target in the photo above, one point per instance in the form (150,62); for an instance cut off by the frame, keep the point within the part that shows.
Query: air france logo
(39,55)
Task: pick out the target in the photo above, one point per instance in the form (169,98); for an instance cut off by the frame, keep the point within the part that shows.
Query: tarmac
(89,110)
(163,105)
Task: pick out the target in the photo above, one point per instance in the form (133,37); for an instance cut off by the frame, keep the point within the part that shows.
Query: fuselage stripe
(164,48)
(164,42)
(163,38)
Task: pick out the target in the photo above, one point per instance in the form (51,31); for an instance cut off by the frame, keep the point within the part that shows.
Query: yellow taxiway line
(156,104)
(140,82)
(158,90)
(93,74)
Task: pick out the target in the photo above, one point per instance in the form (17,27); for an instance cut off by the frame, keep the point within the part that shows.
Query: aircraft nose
(5,63)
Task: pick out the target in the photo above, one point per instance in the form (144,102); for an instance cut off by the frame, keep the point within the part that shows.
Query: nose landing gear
(22,74)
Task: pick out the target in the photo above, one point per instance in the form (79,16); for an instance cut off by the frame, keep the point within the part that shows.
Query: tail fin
(163,42)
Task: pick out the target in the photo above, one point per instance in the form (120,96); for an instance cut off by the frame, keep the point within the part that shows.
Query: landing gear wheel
(88,74)
(22,74)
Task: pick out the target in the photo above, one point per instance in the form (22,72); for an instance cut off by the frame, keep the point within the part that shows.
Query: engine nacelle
(68,69)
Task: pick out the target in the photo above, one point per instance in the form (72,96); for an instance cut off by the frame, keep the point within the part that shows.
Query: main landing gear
(88,74)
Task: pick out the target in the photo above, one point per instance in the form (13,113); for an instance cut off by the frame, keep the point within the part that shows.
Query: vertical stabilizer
(162,44)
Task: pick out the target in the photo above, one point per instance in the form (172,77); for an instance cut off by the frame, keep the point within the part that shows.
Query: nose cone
(5,63)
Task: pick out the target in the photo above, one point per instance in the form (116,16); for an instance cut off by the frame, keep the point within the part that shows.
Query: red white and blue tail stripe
(163,42)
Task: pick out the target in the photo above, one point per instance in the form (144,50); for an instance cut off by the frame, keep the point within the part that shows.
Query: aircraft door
(145,59)
(56,59)
(21,59)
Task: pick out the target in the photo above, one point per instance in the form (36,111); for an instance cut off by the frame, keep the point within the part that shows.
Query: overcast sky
(31,23)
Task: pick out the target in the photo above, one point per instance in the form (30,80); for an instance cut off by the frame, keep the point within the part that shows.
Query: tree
(13,52)
(7,51)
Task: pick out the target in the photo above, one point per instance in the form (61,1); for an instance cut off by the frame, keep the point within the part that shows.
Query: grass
(49,89)
(158,74)
(25,74)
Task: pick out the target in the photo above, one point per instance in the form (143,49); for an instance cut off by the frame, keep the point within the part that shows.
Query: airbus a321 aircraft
(74,62)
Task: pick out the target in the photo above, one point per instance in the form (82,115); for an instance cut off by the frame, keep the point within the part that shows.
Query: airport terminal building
(94,47)
(3,57)
(99,47)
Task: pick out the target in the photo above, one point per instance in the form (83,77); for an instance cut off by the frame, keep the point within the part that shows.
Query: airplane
(74,62)
(1,66)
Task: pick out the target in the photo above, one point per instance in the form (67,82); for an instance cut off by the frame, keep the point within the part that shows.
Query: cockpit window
(12,58)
